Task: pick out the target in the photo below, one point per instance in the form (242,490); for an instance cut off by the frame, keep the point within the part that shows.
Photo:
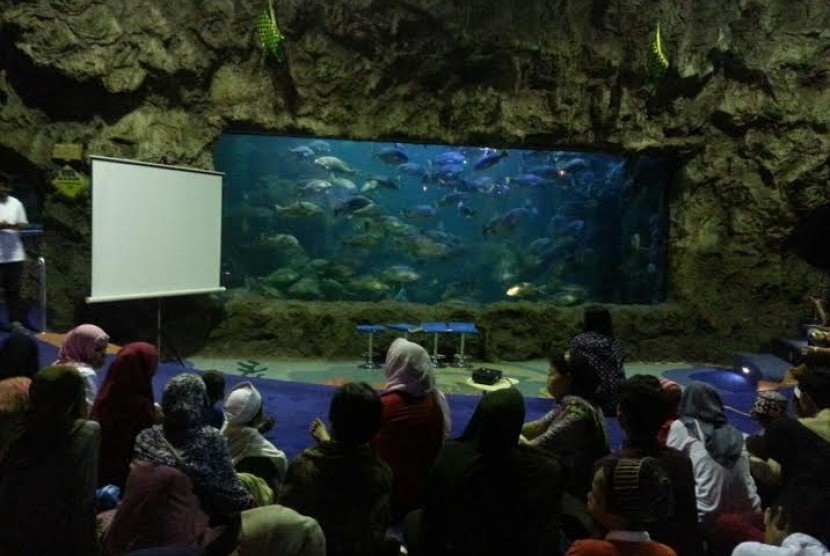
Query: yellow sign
(70,183)
(67,151)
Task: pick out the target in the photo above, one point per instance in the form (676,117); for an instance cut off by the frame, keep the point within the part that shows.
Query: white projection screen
(156,230)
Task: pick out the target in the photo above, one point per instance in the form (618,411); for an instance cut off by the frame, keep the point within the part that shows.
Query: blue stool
(371,330)
(404,327)
(461,360)
(436,328)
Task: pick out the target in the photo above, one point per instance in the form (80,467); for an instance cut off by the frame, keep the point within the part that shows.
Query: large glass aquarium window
(368,221)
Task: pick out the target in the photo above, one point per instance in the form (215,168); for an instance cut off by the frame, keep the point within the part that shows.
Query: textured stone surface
(744,111)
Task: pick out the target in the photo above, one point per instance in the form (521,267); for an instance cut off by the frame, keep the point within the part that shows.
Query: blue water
(368,221)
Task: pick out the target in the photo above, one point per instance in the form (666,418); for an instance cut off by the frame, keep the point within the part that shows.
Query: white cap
(242,404)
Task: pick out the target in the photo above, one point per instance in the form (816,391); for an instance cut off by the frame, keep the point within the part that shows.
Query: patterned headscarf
(184,402)
(701,405)
(408,369)
(769,405)
(80,344)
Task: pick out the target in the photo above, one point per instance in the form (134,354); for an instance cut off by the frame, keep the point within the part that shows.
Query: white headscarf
(244,441)
(408,369)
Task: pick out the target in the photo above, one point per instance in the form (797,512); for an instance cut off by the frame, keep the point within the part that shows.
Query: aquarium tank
(337,220)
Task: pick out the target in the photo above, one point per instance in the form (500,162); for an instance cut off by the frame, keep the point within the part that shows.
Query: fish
(286,242)
(525,289)
(343,183)
(527,180)
(352,204)
(319,146)
(381,182)
(316,186)
(411,169)
(392,155)
(548,171)
(303,152)
(508,221)
(540,245)
(368,284)
(400,274)
(300,209)
(449,157)
(464,211)
(452,198)
(427,248)
(424,212)
(635,242)
(334,164)
(489,159)
(401,296)
(364,241)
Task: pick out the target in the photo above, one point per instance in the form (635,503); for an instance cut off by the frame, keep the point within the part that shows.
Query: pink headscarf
(408,369)
(80,344)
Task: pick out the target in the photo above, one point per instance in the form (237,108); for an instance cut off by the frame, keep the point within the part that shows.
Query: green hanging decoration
(658,62)
(270,38)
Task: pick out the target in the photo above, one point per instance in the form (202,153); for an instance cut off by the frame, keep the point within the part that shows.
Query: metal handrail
(41,275)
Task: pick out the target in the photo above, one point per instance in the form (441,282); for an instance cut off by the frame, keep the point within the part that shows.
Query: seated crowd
(385,475)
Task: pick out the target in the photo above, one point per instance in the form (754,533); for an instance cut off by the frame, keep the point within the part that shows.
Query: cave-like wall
(744,110)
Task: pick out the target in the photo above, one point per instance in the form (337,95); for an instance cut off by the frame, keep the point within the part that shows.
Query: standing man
(12,220)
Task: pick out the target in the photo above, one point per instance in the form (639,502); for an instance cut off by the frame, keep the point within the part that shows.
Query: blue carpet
(725,380)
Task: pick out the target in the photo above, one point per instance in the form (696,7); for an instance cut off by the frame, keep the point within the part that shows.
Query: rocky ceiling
(744,109)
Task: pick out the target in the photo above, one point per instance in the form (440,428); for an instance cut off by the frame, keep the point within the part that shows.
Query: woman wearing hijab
(488,494)
(604,352)
(47,480)
(250,452)
(124,408)
(720,462)
(19,356)
(414,424)
(85,348)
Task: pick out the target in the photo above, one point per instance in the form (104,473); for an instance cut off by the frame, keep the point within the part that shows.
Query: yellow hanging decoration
(658,62)
(270,38)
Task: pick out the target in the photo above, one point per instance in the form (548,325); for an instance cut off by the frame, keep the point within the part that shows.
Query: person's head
(672,392)
(243,406)
(628,493)
(769,406)
(354,413)
(497,422)
(19,356)
(14,401)
(5,187)
(598,319)
(183,403)
(408,368)
(572,374)
(85,344)
(702,402)
(812,394)
(801,508)
(215,384)
(57,400)
(642,410)
(131,374)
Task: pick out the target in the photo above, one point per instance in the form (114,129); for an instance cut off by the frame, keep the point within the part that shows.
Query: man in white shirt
(12,220)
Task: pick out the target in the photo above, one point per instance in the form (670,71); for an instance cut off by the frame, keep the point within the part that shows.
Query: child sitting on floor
(626,494)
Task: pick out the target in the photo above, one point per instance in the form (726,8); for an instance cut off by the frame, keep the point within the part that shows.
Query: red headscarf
(124,407)
(80,343)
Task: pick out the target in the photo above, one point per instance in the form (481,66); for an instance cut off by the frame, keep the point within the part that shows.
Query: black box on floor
(483,375)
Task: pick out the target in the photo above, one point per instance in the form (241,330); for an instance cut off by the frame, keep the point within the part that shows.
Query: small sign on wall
(67,151)
(70,184)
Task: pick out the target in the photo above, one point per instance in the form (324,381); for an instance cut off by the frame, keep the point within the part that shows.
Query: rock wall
(744,111)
